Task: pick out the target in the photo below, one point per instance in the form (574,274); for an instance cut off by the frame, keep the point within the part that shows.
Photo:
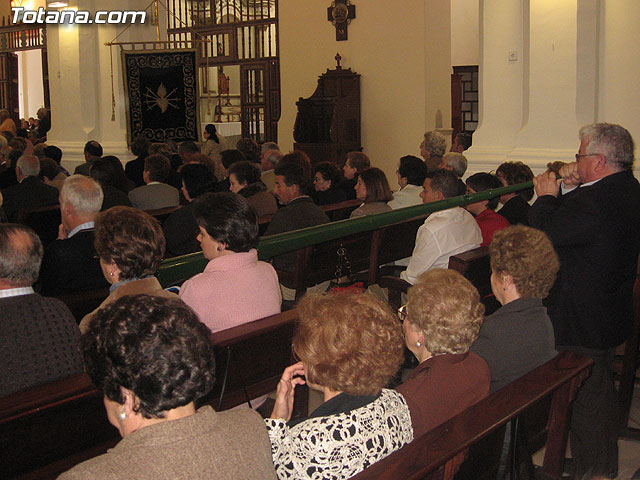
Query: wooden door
(260,100)
(9,84)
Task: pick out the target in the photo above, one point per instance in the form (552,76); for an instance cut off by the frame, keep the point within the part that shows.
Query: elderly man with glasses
(593,220)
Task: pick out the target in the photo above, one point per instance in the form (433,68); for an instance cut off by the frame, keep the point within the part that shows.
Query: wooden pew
(250,359)
(46,430)
(437,454)
(84,302)
(44,221)
(161,214)
(473,264)
(366,251)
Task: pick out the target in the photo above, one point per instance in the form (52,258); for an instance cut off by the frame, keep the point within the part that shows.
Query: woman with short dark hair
(349,346)
(484,211)
(244,178)
(515,206)
(180,228)
(130,244)
(326,182)
(152,360)
(373,190)
(411,174)
(235,287)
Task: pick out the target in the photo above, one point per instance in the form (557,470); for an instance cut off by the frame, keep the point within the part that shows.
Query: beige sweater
(149,286)
(208,445)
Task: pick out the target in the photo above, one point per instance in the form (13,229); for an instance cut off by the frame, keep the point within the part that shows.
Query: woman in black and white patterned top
(350,345)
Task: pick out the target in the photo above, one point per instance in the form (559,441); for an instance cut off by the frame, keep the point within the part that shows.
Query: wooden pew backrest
(46,430)
(428,457)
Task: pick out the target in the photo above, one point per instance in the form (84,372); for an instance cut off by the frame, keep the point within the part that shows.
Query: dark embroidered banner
(161,91)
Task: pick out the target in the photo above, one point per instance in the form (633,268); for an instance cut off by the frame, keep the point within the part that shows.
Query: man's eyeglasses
(580,155)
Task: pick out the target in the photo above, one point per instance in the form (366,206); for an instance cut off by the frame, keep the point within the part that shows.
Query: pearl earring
(418,344)
(122,415)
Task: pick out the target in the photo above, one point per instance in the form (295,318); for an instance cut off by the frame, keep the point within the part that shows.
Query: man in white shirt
(444,233)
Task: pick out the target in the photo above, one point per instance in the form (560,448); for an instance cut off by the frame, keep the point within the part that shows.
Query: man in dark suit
(30,192)
(298,211)
(70,262)
(92,151)
(594,224)
(39,338)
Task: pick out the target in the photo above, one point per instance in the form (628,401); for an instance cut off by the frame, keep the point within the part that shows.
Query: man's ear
(601,163)
(438,194)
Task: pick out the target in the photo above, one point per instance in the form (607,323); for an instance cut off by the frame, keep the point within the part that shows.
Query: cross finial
(338,58)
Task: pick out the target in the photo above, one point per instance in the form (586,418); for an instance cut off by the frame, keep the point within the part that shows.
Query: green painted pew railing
(175,270)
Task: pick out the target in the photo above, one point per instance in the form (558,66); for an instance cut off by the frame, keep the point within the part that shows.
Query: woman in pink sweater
(235,287)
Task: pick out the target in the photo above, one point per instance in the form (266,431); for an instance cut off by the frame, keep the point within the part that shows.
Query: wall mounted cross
(340,13)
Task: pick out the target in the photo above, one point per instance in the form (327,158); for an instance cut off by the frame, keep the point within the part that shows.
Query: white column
(555,87)
(500,83)
(80,82)
(533,105)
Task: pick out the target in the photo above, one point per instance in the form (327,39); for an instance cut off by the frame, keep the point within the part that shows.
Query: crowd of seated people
(443,320)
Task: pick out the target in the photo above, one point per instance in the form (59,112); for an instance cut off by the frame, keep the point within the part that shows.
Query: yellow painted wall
(386,46)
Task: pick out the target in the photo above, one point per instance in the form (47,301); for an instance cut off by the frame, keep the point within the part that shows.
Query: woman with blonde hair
(441,320)
(350,345)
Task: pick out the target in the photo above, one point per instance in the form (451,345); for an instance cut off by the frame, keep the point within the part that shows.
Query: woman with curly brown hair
(441,320)
(130,244)
(350,345)
(152,360)
(518,337)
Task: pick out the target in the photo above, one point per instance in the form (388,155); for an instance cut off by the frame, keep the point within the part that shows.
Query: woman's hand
(286,388)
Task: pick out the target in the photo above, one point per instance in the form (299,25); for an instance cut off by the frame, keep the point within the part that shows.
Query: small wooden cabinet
(328,123)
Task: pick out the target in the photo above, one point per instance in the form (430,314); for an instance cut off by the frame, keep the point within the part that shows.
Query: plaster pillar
(533,105)
(80,83)
(560,84)
(500,83)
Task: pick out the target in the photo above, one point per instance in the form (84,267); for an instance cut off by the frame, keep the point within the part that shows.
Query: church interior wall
(404,58)
(465,32)
(386,46)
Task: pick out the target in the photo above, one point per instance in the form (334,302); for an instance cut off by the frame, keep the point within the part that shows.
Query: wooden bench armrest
(397,287)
